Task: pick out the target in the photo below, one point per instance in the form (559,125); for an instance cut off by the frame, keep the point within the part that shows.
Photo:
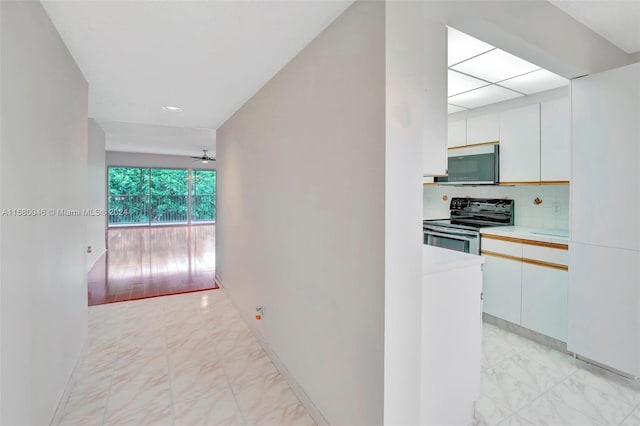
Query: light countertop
(437,259)
(558,236)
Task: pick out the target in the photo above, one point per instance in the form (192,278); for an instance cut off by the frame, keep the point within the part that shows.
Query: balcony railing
(127,209)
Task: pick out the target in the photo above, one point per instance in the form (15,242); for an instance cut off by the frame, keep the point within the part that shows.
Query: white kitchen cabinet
(604,287)
(605,158)
(502,288)
(457,133)
(603,306)
(555,138)
(526,282)
(544,300)
(483,128)
(520,144)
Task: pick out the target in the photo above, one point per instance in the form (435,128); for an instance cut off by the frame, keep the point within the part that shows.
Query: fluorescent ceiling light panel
(535,82)
(459,83)
(462,46)
(452,108)
(483,96)
(496,65)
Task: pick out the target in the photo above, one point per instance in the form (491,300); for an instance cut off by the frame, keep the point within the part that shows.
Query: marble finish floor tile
(489,412)
(632,419)
(551,411)
(526,383)
(190,360)
(602,407)
(185,359)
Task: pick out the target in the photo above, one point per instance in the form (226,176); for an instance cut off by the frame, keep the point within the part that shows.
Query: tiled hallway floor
(189,359)
(524,383)
(186,359)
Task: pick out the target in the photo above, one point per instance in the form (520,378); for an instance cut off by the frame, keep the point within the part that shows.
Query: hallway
(187,359)
(148,262)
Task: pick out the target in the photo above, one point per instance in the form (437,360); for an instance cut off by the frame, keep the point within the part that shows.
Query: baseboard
(306,402)
(556,344)
(62,402)
(102,253)
(609,372)
(298,391)
(216,279)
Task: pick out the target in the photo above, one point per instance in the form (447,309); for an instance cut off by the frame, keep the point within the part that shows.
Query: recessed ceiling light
(172,108)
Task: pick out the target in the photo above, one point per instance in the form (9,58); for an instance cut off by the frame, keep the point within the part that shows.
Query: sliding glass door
(203,195)
(169,196)
(128,196)
(149,196)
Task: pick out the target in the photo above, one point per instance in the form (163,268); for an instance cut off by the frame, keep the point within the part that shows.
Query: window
(139,196)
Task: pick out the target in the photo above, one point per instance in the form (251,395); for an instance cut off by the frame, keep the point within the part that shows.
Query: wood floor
(149,262)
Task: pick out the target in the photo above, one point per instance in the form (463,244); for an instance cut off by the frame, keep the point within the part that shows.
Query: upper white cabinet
(520,144)
(457,133)
(555,152)
(483,128)
(605,155)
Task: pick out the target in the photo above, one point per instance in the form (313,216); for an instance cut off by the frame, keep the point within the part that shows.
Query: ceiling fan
(205,157)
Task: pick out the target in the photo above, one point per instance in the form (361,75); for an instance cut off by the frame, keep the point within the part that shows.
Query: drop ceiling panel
(495,66)
(535,82)
(462,46)
(459,83)
(483,96)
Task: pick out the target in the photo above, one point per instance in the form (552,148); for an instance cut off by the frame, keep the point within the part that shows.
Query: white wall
(527,214)
(301,203)
(97,192)
(130,159)
(43,314)
(415,47)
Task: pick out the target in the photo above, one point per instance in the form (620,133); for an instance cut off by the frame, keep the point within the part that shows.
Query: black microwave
(473,165)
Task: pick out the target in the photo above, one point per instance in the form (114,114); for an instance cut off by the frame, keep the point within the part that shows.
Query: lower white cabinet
(544,300)
(502,290)
(526,283)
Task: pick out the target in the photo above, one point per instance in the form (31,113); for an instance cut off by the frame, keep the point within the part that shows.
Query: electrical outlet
(555,208)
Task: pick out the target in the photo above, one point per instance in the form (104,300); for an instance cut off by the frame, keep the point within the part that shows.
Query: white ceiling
(153,139)
(480,74)
(616,20)
(206,57)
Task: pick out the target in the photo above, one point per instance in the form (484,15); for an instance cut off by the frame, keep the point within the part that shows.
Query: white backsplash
(527,213)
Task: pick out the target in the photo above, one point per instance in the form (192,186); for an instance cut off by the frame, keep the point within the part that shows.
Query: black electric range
(461,231)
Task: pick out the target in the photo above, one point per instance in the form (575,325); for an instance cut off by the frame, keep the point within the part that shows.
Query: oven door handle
(451,236)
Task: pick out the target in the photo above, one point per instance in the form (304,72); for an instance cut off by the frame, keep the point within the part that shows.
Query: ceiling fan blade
(198,158)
